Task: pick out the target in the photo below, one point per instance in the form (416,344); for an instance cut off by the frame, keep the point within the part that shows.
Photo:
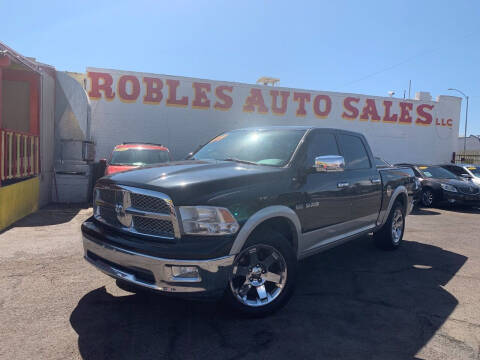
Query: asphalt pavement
(352,302)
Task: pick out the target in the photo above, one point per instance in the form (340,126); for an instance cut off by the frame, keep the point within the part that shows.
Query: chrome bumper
(126,265)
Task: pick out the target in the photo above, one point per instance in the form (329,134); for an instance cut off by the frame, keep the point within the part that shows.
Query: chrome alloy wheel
(259,275)
(427,198)
(397,225)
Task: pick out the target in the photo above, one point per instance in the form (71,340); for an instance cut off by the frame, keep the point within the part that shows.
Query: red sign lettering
(172,94)
(352,110)
(255,100)
(227,100)
(200,100)
(153,90)
(322,114)
(100,82)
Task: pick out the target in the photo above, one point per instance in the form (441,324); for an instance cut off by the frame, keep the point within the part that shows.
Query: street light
(466,120)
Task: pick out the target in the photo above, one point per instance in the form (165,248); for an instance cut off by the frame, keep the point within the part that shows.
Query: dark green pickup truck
(235,218)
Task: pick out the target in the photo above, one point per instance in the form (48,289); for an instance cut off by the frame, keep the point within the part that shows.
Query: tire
(263,275)
(428,198)
(390,236)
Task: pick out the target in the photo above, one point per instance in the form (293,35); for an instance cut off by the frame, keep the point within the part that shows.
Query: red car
(132,155)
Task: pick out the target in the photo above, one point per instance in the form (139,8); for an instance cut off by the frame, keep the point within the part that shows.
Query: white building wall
(472,144)
(183,128)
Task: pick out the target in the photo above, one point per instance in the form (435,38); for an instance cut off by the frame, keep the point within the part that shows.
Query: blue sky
(367,47)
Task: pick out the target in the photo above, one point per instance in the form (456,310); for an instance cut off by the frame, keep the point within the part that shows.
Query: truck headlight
(448,187)
(207,220)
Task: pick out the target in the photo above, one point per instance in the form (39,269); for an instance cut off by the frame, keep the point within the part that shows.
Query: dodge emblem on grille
(124,218)
(119,210)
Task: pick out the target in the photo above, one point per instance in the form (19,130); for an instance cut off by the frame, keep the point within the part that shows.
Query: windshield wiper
(240,161)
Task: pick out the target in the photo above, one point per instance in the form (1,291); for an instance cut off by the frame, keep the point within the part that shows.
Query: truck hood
(194,181)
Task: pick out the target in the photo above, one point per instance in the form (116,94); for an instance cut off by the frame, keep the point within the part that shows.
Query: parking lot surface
(352,302)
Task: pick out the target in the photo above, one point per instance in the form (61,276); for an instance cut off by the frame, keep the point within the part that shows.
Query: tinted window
(320,144)
(138,157)
(436,172)
(271,147)
(354,152)
(457,170)
(475,170)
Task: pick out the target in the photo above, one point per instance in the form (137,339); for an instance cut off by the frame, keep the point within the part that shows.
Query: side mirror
(189,156)
(466,176)
(103,162)
(329,163)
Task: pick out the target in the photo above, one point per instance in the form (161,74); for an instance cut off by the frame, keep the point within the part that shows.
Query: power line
(399,63)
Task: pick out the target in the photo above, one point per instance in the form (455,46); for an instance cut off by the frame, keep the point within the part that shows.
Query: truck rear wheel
(263,275)
(390,235)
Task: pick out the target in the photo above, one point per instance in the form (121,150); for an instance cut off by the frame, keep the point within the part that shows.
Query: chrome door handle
(375,180)
(343,184)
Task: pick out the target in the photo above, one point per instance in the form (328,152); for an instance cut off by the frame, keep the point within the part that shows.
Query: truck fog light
(185,272)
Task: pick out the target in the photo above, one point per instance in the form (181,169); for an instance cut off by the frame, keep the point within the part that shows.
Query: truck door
(365,185)
(325,203)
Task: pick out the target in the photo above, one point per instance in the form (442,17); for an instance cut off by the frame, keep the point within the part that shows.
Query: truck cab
(235,218)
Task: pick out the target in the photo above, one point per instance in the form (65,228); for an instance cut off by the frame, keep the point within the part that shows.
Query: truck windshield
(138,157)
(436,172)
(262,147)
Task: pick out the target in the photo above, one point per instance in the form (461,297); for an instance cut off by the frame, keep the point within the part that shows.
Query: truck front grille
(135,210)
(108,215)
(153,226)
(150,203)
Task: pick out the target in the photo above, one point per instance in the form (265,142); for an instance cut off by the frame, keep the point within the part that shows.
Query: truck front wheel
(390,235)
(263,275)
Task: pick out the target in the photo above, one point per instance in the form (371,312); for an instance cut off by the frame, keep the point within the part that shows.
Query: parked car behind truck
(128,156)
(440,186)
(465,171)
(235,219)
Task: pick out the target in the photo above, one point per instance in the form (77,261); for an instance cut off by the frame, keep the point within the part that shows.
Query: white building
(472,144)
(182,113)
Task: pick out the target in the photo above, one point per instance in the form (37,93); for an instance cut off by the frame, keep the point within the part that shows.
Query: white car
(466,171)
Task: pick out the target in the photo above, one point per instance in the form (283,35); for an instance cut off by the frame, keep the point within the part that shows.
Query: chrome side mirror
(329,163)
(466,176)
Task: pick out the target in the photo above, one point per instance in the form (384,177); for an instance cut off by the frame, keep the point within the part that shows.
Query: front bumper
(156,273)
(462,199)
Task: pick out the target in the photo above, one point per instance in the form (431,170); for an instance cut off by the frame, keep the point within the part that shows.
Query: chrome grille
(108,215)
(150,203)
(135,210)
(152,226)
(107,195)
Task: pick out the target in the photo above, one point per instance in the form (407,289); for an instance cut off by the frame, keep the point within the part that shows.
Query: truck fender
(258,218)
(383,216)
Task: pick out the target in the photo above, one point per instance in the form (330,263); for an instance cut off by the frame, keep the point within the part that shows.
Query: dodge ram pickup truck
(235,218)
